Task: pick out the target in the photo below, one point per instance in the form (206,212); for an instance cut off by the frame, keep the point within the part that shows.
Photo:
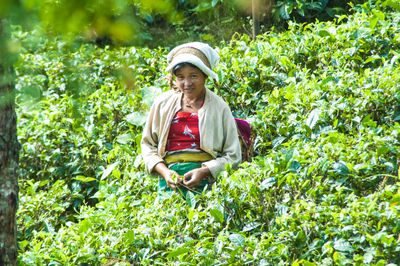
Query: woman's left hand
(193,178)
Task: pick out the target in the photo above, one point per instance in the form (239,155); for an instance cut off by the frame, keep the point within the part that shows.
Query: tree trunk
(255,7)
(9,149)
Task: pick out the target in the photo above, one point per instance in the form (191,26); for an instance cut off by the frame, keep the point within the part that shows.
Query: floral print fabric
(184,132)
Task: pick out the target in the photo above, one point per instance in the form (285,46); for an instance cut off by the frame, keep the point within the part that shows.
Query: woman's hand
(171,177)
(193,178)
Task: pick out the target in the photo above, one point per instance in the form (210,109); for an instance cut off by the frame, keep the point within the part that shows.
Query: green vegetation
(323,189)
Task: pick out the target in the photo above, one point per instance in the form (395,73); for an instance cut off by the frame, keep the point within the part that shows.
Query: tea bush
(323,189)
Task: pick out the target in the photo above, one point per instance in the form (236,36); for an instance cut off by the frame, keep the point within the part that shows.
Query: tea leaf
(108,171)
(343,246)
(217,214)
(341,168)
(191,199)
(237,239)
(313,118)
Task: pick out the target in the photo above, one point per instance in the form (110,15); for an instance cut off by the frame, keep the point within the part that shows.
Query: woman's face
(190,81)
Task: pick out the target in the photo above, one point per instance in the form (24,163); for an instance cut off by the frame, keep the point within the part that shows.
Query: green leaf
(49,227)
(294,166)
(217,214)
(84,178)
(149,94)
(392,3)
(268,183)
(191,214)
(84,226)
(304,263)
(179,251)
(382,262)
(23,244)
(237,239)
(277,141)
(382,150)
(130,236)
(372,58)
(351,51)
(203,6)
(324,3)
(251,226)
(343,246)
(191,199)
(136,118)
(318,6)
(379,14)
(146,16)
(340,168)
(108,171)
(373,22)
(369,256)
(125,138)
(285,11)
(313,118)
(395,201)
(301,12)
(259,49)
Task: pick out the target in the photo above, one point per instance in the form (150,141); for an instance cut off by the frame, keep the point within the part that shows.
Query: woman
(190,134)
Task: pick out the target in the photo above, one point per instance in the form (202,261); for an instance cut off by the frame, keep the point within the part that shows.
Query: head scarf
(199,54)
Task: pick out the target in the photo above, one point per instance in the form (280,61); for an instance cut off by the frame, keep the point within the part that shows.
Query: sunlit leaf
(214,3)
(179,251)
(251,226)
(149,94)
(372,58)
(191,199)
(340,168)
(278,141)
(136,118)
(313,118)
(217,214)
(108,171)
(343,246)
(237,239)
(84,178)
(285,11)
(125,138)
(268,183)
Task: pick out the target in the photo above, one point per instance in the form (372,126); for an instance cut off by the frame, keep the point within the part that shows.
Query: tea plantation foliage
(323,188)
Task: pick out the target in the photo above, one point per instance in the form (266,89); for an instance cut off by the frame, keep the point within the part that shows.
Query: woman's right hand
(172,178)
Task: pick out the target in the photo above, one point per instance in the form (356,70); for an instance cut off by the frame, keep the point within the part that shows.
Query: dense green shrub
(323,189)
(309,10)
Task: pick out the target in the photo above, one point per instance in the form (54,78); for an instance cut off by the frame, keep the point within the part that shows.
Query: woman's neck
(192,104)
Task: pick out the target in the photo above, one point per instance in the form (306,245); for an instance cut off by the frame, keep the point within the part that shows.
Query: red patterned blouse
(184,132)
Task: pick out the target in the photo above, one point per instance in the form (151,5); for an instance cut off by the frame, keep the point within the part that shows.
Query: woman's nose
(188,81)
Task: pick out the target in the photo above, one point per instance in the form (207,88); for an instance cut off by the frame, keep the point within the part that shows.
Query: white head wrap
(199,54)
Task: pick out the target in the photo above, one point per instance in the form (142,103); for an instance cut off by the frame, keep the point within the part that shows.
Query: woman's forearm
(162,169)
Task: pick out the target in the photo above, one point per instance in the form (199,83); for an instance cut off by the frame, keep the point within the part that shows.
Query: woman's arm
(229,151)
(156,129)
(150,139)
